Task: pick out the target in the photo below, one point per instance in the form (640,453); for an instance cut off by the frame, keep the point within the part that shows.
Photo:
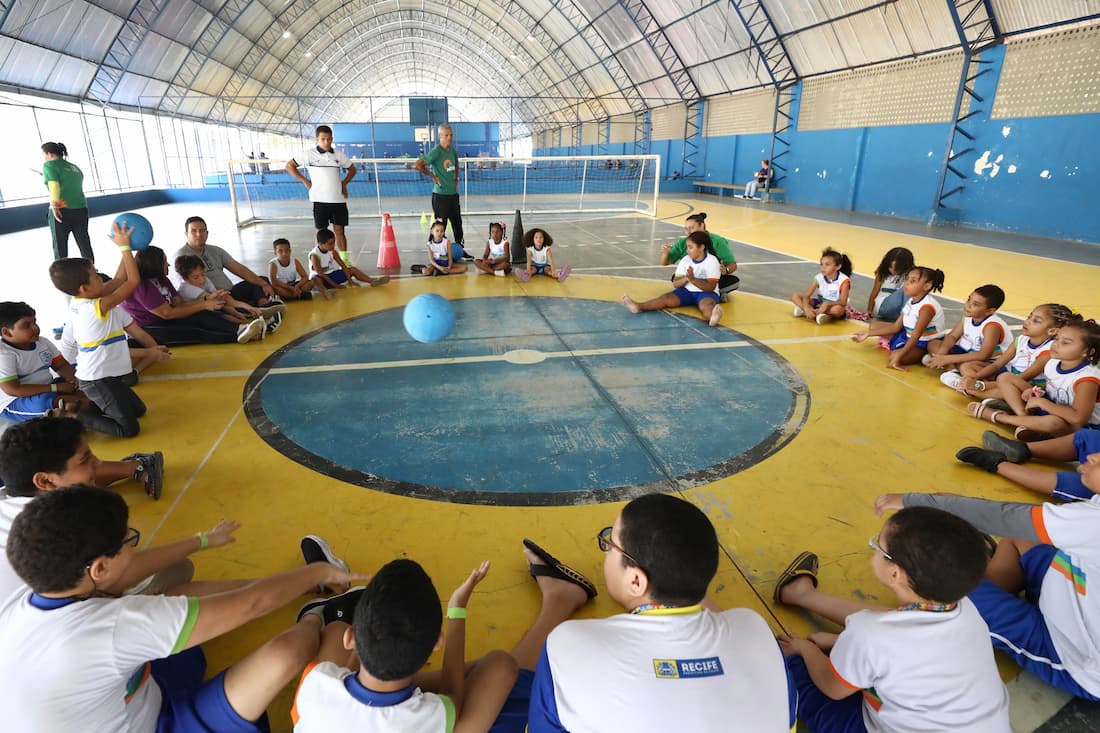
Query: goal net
(262,190)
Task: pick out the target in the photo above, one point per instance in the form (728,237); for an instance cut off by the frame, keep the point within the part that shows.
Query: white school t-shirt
(910,312)
(496,249)
(888,287)
(1072,614)
(331,698)
(439,250)
(188,291)
(1027,353)
(693,671)
(327,260)
(90,669)
(1062,385)
(26,366)
(100,339)
(10,506)
(831,290)
(539,257)
(923,671)
(709,268)
(975,333)
(325,174)
(287,274)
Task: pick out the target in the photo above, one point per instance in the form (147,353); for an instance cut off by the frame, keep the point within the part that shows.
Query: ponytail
(841,260)
(934,277)
(57,149)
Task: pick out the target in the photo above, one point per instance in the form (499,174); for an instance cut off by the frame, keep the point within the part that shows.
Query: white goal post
(261,189)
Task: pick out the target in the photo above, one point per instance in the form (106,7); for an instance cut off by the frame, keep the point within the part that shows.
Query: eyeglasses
(874,545)
(603,539)
(131,538)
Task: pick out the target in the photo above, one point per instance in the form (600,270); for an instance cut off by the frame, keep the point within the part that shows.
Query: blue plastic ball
(429,318)
(142,236)
(457,251)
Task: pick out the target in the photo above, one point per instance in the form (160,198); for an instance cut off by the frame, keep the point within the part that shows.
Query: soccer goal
(262,190)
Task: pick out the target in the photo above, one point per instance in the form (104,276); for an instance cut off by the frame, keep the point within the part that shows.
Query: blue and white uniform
(889,286)
(830,291)
(708,268)
(27,366)
(496,249)
(286,274)
(682,669)
(1026,354)
(975,334)
(1062,385)
(911,312)
(540,258)
(332,698)
(440,251)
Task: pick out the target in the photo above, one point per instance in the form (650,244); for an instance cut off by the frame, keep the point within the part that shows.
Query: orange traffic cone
(388,257)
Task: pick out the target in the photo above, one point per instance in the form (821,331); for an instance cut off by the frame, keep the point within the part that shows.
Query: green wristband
(123,249)
(204,541)
(456,613)
(53,388)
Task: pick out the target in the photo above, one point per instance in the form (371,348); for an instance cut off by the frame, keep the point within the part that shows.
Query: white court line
(447,361)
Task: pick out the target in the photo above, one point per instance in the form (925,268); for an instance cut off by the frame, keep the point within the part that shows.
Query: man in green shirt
(673,253)
(441,163)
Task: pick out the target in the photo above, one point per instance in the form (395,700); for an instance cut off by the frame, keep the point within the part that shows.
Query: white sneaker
(952,379)
(926,360)
(273,310)
(823,318)
(798,312)
(252,331)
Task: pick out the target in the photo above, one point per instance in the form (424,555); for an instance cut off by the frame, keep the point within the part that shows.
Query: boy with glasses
(673,661)
(925,664)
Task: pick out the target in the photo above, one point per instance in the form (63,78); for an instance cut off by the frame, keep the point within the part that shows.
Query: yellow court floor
(868,431)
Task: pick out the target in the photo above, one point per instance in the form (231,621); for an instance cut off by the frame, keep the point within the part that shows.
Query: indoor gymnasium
(421,280)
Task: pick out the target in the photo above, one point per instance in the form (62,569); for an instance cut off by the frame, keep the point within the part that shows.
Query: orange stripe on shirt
(294,708)
(1000,332)
(1040,525)
(845,682)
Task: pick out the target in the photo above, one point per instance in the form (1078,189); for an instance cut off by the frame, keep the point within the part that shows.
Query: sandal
(805,564)
(554,568)
(1029,435)
(978,410)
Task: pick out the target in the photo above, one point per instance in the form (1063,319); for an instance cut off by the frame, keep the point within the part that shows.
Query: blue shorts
(541,269)
(819,712)
(337,276)
(956,349)
(26,408)
(1017,627)
(190,705)
(513,716)
(900,339)
(691,297)
(1068,484)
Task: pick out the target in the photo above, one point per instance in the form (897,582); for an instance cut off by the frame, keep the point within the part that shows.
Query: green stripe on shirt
(188,625)
(449,706)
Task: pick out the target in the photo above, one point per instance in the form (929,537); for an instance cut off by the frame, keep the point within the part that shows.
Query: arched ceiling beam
(771,52)
(143,14)
(654,34)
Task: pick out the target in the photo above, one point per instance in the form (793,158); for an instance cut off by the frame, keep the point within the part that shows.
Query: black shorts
(324,213)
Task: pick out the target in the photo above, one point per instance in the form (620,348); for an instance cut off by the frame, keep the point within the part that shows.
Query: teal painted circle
(531,400)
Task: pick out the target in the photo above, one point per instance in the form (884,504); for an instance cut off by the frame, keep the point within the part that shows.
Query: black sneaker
(337,608)
(150,471)
(987,459)
(1014,451)
(275,322)
(417,269)
(315,549)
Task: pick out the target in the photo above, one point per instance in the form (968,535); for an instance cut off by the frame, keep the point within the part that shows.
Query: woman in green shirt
(68,207)
(673,253)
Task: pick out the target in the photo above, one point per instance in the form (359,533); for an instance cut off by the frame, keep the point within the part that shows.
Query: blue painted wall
(396,139)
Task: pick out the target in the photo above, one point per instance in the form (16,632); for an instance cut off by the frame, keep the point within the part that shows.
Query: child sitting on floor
(1071,398)
(1000,455)
(1049,552)
(28,362)
(832,286)
(540,260)
(979,338)
(331,270)
(902,668)
(1026,358)
(288,277)
(921,320)
(368,673)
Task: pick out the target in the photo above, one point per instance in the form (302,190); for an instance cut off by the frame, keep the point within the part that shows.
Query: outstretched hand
(888,503)
(462,593)
(121,235)
(222,534)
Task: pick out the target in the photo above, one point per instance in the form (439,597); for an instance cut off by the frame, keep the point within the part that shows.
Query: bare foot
(555,591)
(715,315)
(630,304)
(794,591)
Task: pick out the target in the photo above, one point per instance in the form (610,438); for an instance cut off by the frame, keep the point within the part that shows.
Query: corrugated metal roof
(561,60)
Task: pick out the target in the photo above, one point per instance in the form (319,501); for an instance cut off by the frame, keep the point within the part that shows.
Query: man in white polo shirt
(674,661)
(328,190)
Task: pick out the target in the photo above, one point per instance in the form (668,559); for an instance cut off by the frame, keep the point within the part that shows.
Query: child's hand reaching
(222,534)
(895,362)
(121,235)
(859,338)
(462,593)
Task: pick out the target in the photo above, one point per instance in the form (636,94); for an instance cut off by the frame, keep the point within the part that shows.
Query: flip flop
(805,564)
(554,568)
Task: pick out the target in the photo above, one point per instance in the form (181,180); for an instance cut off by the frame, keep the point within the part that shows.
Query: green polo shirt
(721,249)
(69,178)
(444,164)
